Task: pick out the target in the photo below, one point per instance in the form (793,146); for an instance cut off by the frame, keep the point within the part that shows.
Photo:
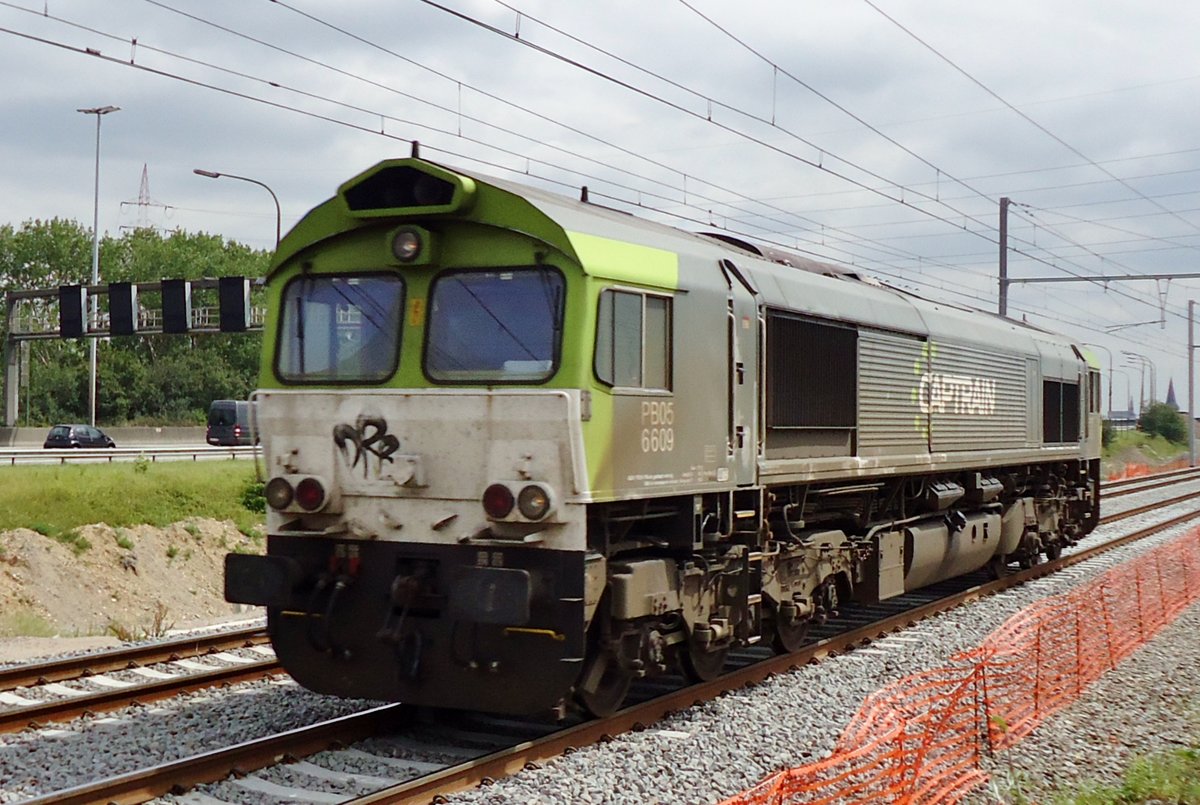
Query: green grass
(1152,446)
(56,500)
(23,622)
(1172,777)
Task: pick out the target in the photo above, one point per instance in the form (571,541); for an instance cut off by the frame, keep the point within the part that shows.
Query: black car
(64,436)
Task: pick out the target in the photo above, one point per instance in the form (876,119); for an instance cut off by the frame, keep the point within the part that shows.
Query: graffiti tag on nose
(370,437)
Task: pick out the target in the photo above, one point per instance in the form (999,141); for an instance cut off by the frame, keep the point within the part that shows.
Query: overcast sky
(880,134)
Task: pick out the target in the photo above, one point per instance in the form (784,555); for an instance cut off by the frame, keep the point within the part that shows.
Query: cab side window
(633,340)
(1060,411)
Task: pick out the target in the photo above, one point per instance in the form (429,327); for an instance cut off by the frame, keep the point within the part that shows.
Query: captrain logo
(956,394)
(943,393)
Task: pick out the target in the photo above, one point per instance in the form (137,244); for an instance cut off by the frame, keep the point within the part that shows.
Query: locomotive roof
(783,279)
(866,299)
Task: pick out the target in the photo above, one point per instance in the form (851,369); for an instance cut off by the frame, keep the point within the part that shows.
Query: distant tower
(144,203)
(144,199)
(1171,395)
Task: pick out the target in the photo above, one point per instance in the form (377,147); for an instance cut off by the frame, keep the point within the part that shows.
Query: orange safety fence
(1133,470)
(920,739)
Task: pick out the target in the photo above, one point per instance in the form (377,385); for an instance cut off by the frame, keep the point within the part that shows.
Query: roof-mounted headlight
(407,244)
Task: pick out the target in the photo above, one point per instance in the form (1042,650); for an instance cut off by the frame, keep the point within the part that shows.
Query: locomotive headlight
(407,244)
(310,494)
(533,502)
(498,501)
(279,493)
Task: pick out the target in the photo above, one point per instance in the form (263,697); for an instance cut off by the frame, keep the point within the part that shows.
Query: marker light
(278,493)
(533,502)
(497,501)
(310,495)
(406,245)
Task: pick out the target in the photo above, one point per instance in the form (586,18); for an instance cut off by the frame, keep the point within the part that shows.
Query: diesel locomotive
(521,450)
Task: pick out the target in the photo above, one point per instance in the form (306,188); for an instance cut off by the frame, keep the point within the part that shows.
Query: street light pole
(275,198)
(99,112)
(1128,399)
(1144,362)
(1191,409)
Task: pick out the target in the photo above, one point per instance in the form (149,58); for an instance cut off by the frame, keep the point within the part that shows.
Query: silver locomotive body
(545,449)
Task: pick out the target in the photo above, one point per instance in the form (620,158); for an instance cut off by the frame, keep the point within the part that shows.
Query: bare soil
(130,584)
(1134,460)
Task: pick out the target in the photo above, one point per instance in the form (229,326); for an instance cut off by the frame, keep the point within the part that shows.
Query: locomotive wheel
(1030,561)
(700,665)
(1053,550)
(603,684)
(998,567)
(788,637)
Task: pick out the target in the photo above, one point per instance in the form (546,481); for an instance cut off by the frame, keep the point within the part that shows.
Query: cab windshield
(340,329)
(494,326)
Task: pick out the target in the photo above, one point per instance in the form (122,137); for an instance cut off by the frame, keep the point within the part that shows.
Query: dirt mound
(1133,461)
(128,582)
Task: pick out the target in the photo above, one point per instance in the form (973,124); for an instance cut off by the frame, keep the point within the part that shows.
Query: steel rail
(509,761)
(67,708)
(41,673)
(1151,482)
(1136,510)
(1121,482)
(142,785)
(146,784)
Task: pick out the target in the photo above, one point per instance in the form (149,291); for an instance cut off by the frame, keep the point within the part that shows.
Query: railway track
(750,667)
(502,747)
(1129,486)
(36,694)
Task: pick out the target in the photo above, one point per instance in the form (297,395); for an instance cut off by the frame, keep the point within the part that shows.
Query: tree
(44,254)
(1162,420)
(151,379)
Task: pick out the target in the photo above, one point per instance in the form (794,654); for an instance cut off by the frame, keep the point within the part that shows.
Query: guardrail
(32,455)
(142,436)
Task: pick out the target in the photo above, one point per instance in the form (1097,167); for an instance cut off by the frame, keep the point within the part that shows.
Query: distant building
(1171,395)
(1123,420)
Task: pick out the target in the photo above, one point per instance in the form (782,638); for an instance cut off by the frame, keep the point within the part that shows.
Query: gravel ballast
(728,745)
(1148,704)
(703,755)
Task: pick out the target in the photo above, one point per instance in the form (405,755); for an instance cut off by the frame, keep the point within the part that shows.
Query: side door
(745,329)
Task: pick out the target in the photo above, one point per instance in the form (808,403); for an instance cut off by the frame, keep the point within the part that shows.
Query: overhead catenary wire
(492,96)
(826,230)
(475,159)
(282,106)
(1027,118)
(647,94)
